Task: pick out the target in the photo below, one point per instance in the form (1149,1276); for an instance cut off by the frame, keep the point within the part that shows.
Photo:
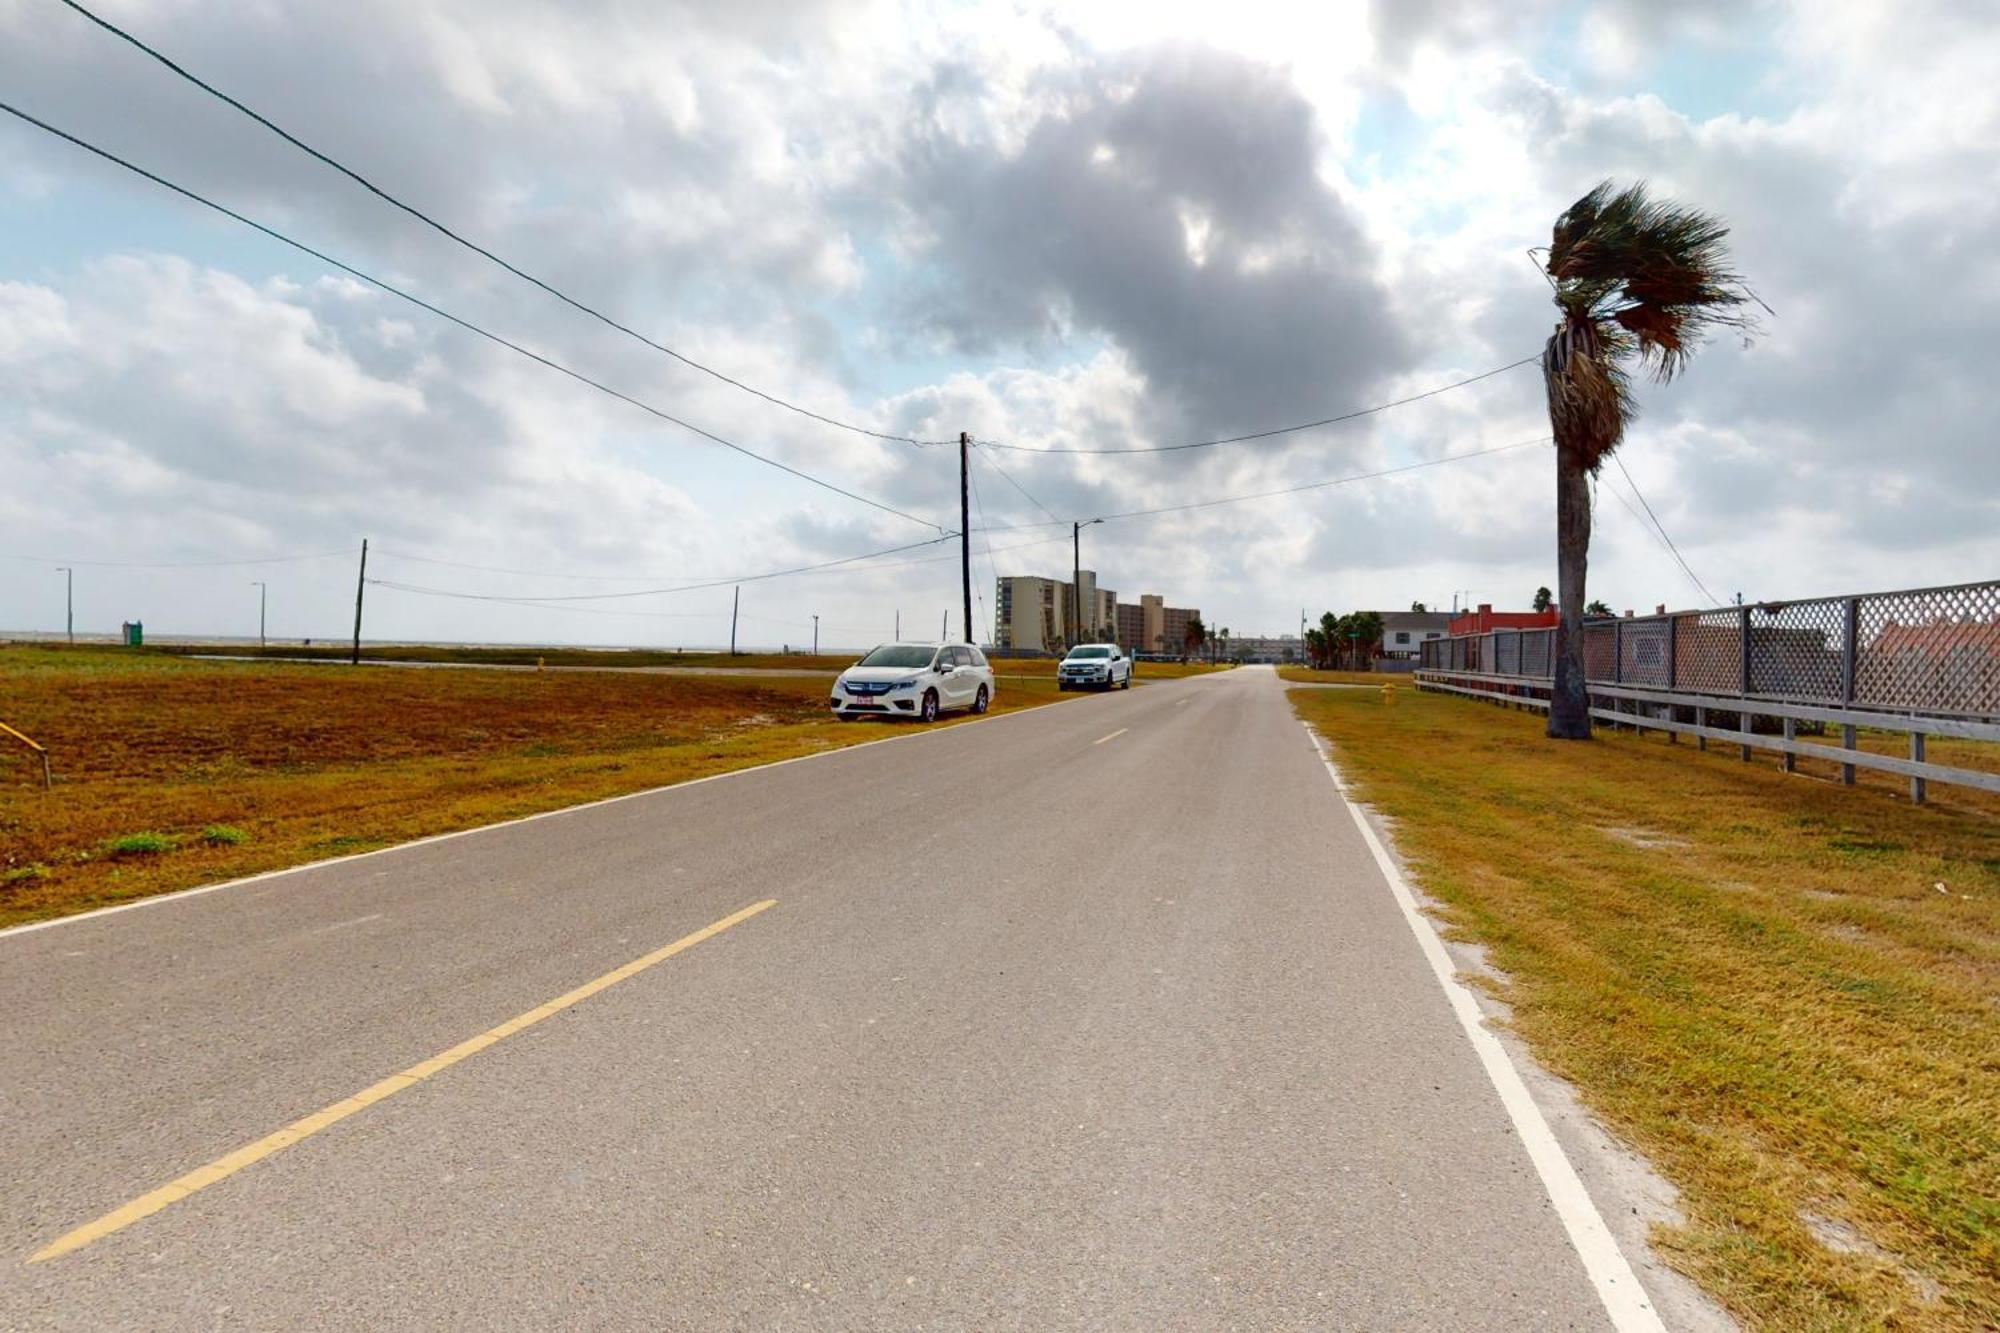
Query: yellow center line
(1112,737)
(224,1167)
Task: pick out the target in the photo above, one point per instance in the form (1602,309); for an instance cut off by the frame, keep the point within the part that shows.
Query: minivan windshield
(1076,653)
(899,655)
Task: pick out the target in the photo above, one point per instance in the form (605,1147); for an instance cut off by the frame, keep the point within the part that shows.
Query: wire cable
(654,592)
(465,324)
(178,564)
(1713,599)
(474,246)
(1355,415)
(1305,486)
(1008,477)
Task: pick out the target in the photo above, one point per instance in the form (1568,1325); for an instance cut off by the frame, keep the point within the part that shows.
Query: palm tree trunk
(1569,699)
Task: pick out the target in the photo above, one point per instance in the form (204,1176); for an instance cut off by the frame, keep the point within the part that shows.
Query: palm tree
(1194,636)
(1418,607)
(1599,607)
(1544,599)
(1638,282)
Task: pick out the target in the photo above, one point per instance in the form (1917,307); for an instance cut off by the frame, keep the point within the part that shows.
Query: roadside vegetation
(1784,992)
(173,772)
(1304,675)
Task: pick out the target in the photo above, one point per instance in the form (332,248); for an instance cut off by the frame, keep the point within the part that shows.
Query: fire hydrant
(1388,694)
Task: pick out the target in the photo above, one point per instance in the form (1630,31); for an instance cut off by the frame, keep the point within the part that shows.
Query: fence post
(1791,734)
(1700,720)
(1917,756)
(1673,657)
(1850,653)
(1743,642)
(1618,652)
(1743,725)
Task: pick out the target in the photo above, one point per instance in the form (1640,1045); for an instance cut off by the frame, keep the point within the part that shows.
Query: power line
(1008,477)
(1713,599)
(653,592)
(474,246)
(177,564)
(465,324)
(1306,486)
(1280,430)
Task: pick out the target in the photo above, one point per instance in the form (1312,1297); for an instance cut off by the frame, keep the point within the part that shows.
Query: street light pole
(1076,578)
(815,636)
(69,600)
(263,589)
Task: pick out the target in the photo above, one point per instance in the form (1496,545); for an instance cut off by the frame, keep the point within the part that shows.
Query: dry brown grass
(161,762)
(1785,992)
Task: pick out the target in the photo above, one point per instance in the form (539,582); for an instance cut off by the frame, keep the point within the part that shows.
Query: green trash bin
(135,634)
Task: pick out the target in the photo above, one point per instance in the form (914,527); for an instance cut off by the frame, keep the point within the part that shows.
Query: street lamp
(263,589)
(1076,577)
(69,600)
(815,636)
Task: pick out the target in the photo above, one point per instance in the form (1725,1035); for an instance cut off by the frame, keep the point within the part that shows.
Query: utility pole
(899,625)
(1076,578)
(965,528)
(360,585)
(263,590)
(815,636)
(69,600)
(944,627)
(735,602)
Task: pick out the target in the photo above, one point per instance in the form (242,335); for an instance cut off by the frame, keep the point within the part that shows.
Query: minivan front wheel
(980,701)
(930,705)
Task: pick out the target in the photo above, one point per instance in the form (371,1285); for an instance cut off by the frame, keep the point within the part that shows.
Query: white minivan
(919,680)
(1095,666)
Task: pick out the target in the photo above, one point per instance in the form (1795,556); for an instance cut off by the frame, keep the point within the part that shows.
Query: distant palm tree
(1599,608)
(1638,282)
(1194,636)
(1544,599)
(1417,607)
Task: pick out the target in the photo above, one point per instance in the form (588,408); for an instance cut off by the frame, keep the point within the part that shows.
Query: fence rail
(1934,651)
(1925,661)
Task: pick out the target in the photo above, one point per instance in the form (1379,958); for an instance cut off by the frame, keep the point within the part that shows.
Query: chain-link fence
(1932,651)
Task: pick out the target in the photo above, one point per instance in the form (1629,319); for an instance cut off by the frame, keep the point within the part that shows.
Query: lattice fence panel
(1538,652)
(1507,654)
(1932,651)
(1643,651)
(1708,652)
(1797,650)
(1600,650)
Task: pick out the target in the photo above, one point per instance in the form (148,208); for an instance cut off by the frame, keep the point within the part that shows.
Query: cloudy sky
(1056,227)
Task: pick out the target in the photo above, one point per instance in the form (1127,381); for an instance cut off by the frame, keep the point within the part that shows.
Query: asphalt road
(1094,1016)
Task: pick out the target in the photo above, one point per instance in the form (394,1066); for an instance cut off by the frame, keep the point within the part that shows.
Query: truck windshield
(1082,653)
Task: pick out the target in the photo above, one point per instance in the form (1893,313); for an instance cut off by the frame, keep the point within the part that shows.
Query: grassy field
(1784,992)
(830,661)
(1312,676)
(172,772)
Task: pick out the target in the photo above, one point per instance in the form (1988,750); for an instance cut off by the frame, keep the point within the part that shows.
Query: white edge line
(200,889)
(1618,1288)
(1112,737)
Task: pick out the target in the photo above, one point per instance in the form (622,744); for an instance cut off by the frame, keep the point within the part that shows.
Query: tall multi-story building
(1153,624)
(1033,614)
(1029,613)
(1130,622)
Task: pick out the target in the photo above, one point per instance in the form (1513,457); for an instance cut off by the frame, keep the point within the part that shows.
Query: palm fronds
(1638,280)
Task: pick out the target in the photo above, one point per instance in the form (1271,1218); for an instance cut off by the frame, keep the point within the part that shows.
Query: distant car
(920,680)
(1095,666)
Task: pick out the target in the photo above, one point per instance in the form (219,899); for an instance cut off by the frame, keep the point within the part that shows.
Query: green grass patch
(224,835)
(139,844)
